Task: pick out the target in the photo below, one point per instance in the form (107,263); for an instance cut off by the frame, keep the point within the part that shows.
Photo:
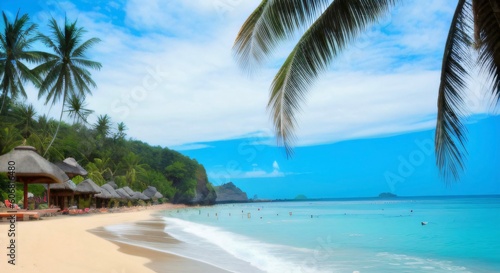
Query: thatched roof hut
(123,194)
(158,195)
(112,184)
(30,167)
(104,194)
(87,186)
(111,191)
(129,191)
(71,167)
(151,192)
(140,196)
(66,186)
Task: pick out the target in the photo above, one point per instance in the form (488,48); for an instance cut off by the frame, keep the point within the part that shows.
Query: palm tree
(103,126)
(15,44)
(332,25)
(132,168)
(76,109)
(26,115)
(120,134)
(66,72)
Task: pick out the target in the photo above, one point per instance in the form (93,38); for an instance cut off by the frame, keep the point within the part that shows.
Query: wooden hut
(107,194)
(30,167)
(152,193)
(86,191)
(62,194)
(71,167)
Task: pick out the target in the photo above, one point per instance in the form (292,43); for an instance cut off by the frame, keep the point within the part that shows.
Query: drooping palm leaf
(326,38)
(450,138)
(487,35)
(272,22)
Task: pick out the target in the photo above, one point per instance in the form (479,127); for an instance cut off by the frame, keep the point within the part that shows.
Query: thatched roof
(128,190)
(112,184)
(71,167)
(111,191)
(107,192)
(31,167)
(158,195)
(140,195)
(66,186)
(150,192)
(88,186)
(123,194)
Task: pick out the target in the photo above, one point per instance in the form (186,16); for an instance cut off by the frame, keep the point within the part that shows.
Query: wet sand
(71,244)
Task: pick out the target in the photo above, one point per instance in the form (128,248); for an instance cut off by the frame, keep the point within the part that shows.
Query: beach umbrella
(30,167)
(71,167)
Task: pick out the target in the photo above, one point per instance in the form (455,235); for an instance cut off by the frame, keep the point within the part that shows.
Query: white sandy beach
(64,244)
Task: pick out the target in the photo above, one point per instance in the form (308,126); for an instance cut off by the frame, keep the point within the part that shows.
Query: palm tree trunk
(58,125)
(4,95)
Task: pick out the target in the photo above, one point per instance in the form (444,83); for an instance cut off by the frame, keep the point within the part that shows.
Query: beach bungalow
(31,168)
(71,167)
(123,194)
(152,193)
(107,194)
(86,190)
(62,194)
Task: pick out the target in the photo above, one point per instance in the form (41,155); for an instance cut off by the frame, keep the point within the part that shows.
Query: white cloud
(171,77)
(260,173)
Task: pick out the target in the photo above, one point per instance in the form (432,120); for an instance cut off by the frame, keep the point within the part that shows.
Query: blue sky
(169,74)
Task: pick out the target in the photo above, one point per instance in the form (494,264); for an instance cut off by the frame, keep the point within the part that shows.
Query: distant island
(387,195)
(228,193)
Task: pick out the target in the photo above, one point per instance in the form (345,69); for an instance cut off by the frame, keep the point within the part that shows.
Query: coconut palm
(15,43)
(76,109)
(332,25)
(120,131)
(25,115)
(66,72)
(103,126)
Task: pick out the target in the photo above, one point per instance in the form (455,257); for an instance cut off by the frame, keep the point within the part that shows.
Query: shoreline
(70,244)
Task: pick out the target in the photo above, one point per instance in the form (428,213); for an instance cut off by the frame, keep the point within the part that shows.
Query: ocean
(460,234)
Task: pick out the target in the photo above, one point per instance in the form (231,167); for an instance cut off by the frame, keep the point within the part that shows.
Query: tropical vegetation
(103,148)
(330,26)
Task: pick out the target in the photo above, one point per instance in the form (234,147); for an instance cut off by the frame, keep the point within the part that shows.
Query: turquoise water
(364,235)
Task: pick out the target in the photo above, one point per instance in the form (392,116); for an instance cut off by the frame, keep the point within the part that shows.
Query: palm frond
(335,28)
(80,51)
(450,132)
(487,30)
(270,23)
